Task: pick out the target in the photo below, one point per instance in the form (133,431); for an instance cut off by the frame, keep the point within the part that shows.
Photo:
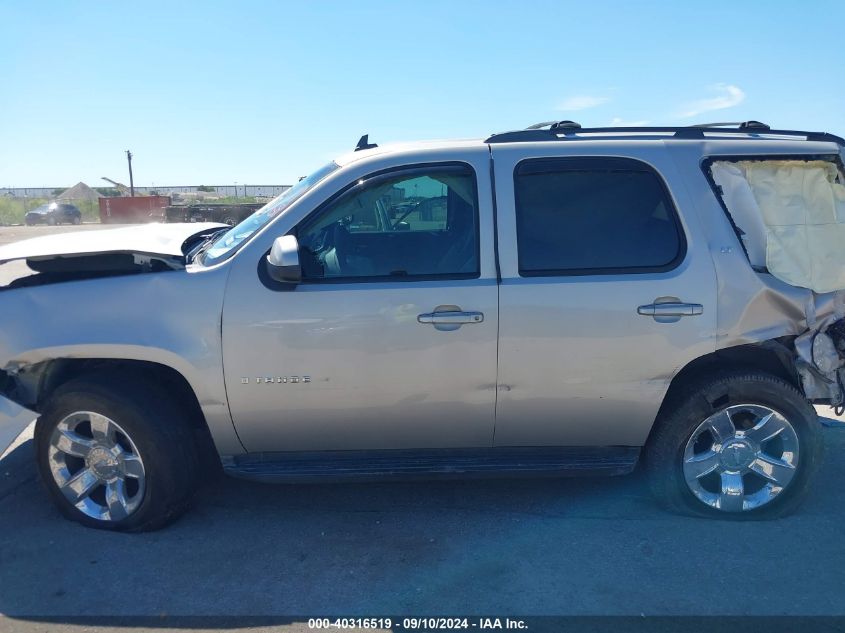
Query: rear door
(607,292)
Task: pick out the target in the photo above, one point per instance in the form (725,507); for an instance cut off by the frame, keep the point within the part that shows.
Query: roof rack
(569,130)
(555,125)
(742,125)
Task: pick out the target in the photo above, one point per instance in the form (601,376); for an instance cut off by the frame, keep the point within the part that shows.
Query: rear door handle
(451,318)
(671,309)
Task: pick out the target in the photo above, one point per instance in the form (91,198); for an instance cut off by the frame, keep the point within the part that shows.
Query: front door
(390,339)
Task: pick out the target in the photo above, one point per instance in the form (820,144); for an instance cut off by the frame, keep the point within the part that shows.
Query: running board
(295,467)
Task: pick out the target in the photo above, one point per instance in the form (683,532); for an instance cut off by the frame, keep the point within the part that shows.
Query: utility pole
(131,181)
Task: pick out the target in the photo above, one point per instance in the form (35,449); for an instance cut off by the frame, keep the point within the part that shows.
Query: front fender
(170,318)
(113,351)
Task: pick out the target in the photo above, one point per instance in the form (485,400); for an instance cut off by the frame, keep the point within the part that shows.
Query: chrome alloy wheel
(741,458)
(96,466)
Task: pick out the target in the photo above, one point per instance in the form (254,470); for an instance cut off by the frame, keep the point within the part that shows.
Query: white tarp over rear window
(792,214)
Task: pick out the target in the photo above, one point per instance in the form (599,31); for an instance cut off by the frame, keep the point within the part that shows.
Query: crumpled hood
(160,241)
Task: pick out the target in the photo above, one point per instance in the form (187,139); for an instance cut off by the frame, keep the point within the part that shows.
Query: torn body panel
(754,305)
(108,252)
(164,240)
(821,356)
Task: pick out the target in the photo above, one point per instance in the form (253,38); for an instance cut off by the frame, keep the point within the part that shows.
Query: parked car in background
(54,213)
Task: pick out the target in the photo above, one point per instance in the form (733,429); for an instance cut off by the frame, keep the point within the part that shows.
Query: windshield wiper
(209,241)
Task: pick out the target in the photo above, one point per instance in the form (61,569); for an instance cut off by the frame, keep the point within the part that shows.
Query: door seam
(498,290)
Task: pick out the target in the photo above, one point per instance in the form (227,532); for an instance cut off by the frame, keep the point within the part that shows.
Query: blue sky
(265,92)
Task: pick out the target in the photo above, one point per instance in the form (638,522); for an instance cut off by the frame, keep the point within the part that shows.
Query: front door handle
(670,309)
(451,317)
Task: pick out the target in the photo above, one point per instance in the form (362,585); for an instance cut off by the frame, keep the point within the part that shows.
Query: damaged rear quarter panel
(752,307)
(171,318)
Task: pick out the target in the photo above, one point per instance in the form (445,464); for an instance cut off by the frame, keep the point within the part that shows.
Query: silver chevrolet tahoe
(555,300)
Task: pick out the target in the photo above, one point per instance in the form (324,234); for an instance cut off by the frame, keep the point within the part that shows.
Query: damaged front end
(102,253)
(48,334)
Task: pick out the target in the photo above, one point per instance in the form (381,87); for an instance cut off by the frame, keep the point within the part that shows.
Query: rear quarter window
(594,216)
(788,213)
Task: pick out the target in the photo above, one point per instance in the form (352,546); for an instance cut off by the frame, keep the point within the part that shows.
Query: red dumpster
(133,210)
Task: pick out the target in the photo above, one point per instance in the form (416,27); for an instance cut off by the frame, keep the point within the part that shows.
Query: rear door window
(594,216)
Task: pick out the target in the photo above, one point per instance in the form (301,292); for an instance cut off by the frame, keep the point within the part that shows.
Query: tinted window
(577,216)
(417,223)
(412,204)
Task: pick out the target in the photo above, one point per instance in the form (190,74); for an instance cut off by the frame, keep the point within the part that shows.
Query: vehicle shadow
(249,548)
(493,546)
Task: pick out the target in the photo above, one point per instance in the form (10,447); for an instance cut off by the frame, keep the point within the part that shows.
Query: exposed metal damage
(820,356)
(789,215)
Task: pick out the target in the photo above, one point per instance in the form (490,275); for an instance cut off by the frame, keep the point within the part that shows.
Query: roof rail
(569,130)
(742,125)
(541,125)
(554,125)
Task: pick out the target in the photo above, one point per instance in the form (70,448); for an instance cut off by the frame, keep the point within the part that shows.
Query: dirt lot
(484,547)
(9,234)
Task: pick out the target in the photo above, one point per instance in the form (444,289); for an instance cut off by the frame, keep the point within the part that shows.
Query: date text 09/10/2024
(429,624)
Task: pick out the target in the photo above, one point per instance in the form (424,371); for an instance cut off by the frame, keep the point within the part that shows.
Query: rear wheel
(114,458)
(739,446)
(77,220)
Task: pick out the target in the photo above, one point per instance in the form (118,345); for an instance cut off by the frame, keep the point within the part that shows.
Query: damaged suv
(555,300)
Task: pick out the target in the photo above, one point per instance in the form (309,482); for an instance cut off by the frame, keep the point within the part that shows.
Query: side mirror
(283,260)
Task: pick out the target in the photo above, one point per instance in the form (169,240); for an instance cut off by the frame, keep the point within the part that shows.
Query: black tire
(155,425)
(681,417)
(77,220)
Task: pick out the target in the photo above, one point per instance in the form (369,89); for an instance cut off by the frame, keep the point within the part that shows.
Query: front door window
(416,224)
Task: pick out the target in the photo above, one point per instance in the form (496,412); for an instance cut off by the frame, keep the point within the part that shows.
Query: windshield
(227,243)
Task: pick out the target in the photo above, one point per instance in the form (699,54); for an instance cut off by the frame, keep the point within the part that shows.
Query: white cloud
(729,97)
(618,122)
(581,102)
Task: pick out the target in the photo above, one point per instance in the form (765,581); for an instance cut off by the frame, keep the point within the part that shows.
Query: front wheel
(737,446)
(115,458)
